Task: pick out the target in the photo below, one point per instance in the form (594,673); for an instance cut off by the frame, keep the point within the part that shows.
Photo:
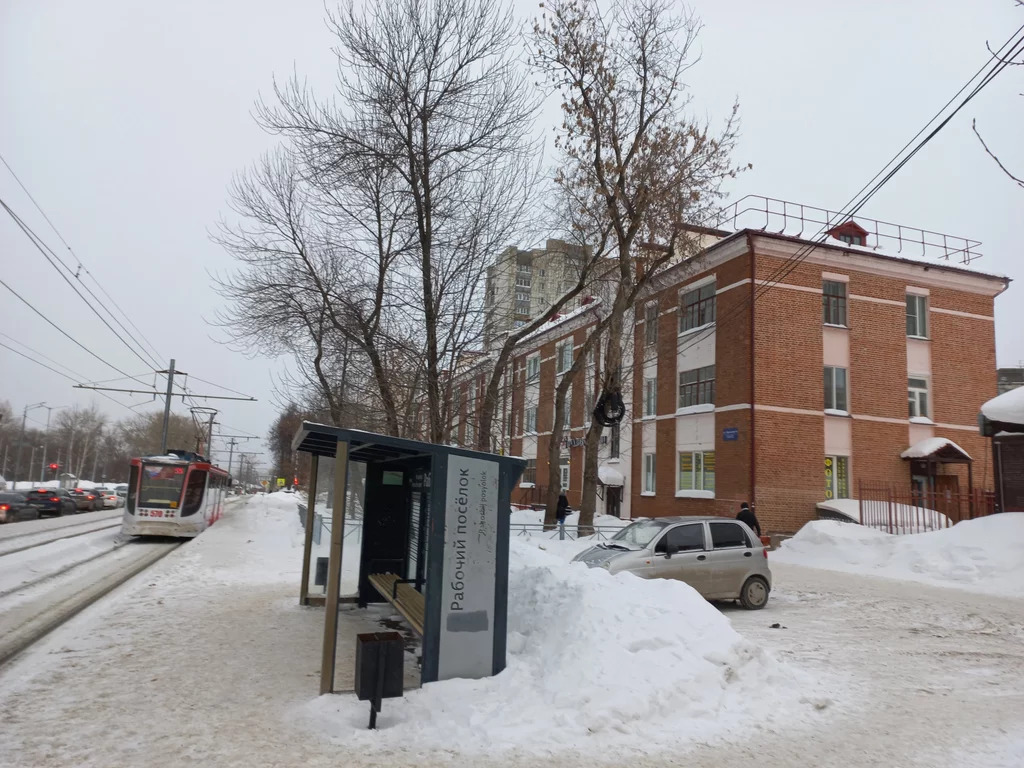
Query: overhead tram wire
(59,373)
(1015,44)
(66,334)
(43,248)
(40,354)
(81,264)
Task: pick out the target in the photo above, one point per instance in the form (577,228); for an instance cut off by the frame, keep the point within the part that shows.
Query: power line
(860,199)
(78,376)
(43,248)
(65,333)
(79,260)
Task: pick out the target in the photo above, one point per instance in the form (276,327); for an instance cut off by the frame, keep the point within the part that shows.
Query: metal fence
(896,509)
(563,532)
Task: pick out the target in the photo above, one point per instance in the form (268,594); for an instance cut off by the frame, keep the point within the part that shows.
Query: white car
(110,499)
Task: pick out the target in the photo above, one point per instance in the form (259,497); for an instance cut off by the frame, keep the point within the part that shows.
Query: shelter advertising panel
(470,560)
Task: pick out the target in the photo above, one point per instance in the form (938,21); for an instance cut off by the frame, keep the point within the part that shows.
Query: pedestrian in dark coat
(748,517)
(562,511)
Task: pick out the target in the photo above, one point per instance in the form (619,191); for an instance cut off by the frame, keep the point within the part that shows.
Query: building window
(837,477)
(697,387)
(531,420)
(696,471)
(563,354)
(564,471)
(852,239)
(833,302)
(917,397)
(697,307)
(835,388)
(650,397)
(568,407)
(649,473)
(532,368)
(651,324)
(613,448)
(529,472)
(917,316)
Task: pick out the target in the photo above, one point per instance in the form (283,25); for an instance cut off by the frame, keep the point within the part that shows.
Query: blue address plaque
(730,433)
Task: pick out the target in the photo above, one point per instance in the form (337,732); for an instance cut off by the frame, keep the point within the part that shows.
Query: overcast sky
(126,120)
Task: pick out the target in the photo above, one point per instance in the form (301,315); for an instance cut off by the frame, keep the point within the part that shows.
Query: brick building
(775,370)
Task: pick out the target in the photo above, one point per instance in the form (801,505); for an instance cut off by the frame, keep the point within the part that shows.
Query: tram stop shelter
(434,544)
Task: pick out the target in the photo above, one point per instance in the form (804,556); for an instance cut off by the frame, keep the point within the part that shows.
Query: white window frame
(916,395)
(700,476)
(530,420)
(832,483)
(533,368)
(920,316)
(835,406)
(650,397)
(563,356)
(651,324)
(650,474)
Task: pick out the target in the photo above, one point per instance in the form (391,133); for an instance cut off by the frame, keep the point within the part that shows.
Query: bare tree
(433,93)
(635,169)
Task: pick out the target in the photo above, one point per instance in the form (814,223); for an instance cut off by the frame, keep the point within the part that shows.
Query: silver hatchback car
(719,557)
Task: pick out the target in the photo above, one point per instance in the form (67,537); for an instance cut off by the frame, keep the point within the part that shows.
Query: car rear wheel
(754,594)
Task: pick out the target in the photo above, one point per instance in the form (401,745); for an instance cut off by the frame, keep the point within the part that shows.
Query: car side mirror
(671,549)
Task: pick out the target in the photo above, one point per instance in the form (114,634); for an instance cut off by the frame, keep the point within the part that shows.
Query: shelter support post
(970,490)
(334,570)
(307,547)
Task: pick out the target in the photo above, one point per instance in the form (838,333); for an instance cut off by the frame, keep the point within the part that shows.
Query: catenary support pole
(334,570)
(167,407)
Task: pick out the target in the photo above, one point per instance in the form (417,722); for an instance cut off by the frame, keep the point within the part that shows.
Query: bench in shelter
(406,599)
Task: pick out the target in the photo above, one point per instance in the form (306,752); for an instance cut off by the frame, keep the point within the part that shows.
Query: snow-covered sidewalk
(207,659)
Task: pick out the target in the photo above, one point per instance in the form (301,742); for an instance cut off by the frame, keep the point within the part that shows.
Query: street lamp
(49,410)
(17,459)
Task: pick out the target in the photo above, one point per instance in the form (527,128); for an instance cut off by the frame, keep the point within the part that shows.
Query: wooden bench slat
(404,597)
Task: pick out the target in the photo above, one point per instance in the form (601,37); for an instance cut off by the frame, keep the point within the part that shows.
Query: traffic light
(54,467)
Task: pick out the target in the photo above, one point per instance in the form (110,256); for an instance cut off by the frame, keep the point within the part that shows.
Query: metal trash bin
(379,669)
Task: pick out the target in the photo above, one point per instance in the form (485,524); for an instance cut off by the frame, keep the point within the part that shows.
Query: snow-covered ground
(207,659)
(983,555)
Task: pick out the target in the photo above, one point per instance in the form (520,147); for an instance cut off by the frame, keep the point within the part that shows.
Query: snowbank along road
(212,639)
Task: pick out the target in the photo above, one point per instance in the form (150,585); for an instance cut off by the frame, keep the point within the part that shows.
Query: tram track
(30,611)
(51,539)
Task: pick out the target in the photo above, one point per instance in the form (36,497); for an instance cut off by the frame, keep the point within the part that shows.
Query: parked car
(86,501)
(15,506)
(719,557)
(52,502)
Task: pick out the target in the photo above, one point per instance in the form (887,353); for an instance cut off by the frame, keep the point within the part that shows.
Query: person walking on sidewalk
(747,516)
(562,512)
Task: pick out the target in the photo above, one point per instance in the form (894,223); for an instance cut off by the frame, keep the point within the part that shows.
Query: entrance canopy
(1005,412)
(610,475)
(938,449)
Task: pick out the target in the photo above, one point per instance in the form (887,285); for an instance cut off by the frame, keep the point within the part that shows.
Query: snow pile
(930,446)
(904,518)
(595,662)
(983,555)
(1007,407)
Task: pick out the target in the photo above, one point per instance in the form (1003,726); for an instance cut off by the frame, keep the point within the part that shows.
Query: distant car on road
(15,506)
(110,499)
(86,501)
(52,502)
(719,557)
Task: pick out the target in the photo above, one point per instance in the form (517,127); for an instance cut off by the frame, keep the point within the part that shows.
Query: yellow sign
(264,483)
(280,482)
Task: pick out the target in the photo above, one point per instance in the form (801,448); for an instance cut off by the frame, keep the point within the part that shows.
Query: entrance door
(947,496)
(613,500)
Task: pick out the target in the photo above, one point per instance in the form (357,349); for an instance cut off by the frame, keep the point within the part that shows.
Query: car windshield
(11,497)
(640,533)
(161,485)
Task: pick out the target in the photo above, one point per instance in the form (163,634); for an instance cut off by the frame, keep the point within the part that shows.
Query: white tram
(179,494)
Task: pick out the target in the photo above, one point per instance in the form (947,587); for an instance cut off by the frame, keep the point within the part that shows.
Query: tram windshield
(161,486)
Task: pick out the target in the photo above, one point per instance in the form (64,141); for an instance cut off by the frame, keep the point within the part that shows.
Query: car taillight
(55,498)
(4,507)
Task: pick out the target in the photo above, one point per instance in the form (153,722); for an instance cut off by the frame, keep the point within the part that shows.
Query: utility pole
(231,454)
(209,435)
(167,406)
(17,454)
(49,409)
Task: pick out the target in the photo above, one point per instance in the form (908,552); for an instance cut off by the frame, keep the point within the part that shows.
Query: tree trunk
(588,504)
